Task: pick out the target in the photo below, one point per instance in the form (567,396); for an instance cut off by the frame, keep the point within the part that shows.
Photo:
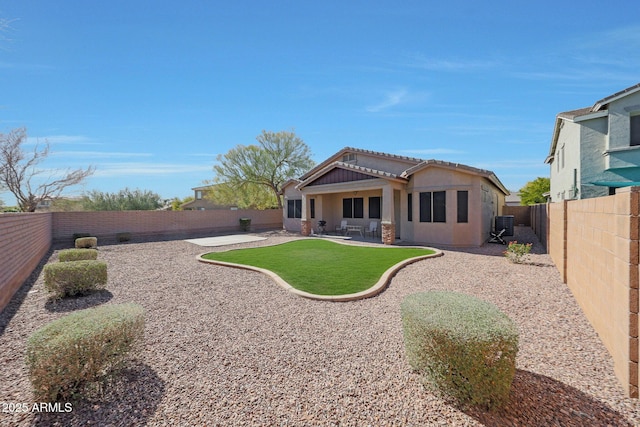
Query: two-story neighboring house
(595,150)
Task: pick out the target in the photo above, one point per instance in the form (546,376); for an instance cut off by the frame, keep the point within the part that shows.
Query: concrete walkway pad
(226,240)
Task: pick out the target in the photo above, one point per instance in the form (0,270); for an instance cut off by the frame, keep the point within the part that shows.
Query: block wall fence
(594,243)
(25,238)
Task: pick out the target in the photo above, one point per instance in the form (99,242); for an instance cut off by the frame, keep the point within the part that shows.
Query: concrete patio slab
(233,239)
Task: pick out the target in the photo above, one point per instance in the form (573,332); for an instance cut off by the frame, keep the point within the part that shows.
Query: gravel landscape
(229,347)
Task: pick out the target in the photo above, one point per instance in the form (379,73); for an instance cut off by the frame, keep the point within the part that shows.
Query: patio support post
(388,216)
(305,223)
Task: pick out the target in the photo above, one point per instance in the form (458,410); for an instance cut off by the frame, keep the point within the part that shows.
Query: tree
(123,200)
(19,175)
(533,191)
(252,196)
(176,203)
(279,157)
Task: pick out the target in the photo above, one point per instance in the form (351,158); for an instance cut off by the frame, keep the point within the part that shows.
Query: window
(433,206)
(409,207)
(312,207)
(634,130)
(425,206)
(353,207)
(351,157)
(374,207)
(463,206)
(198,194)
(294,208)
(439,206)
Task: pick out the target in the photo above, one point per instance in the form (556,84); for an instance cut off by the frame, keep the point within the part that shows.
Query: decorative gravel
(229,347)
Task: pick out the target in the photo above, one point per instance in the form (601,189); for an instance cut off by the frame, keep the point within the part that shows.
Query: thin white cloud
(61,139)
(391,100)
(97,154)
(431,151)
(120,170)
(419,60)
(513,164)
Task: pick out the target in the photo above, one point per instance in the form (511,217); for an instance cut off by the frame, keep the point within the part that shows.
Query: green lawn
(322,267)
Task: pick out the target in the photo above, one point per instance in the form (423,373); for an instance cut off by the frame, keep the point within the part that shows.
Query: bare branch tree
(18,170)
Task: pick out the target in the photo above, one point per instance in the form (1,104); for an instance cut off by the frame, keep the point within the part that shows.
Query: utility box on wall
(505,222)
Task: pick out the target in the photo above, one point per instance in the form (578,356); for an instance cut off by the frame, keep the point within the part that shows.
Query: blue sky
(150,92)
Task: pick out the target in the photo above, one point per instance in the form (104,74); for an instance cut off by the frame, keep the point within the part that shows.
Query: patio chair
(496,236)
(342,228)
(373,229)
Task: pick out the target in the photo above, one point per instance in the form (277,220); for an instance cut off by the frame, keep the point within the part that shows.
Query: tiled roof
(381,174)
(345,150)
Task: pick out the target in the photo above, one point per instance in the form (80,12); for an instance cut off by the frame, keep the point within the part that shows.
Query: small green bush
(77,254)
(123,237)
(74,277)
(86,242)
(78,353)
(464,346)
(245,224)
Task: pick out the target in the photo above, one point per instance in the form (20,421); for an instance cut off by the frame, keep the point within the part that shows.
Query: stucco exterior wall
(566,160)
(290,193)
(593,134)
(449,233)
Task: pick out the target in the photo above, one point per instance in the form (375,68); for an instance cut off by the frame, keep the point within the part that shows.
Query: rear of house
(412,200)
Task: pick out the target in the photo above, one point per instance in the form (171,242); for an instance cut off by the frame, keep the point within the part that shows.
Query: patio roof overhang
(359,178)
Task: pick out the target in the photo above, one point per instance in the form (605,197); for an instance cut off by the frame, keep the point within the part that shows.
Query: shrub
(79,352)
(86,242)
(123,237)
(464,346)
(245,224)
(518,252)
(77,254)
(74,277)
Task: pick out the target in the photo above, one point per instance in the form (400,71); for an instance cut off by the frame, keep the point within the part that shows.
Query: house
(512,199)
(595,150)
(412,200)
(201,202)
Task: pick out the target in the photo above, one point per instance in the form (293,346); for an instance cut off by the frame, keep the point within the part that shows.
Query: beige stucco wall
(484,200)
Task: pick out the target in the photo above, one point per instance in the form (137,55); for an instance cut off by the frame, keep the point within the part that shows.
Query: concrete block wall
(24,240)
(170,224)
(595,244)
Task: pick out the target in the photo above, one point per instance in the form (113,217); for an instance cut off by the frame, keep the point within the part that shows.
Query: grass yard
(322,267)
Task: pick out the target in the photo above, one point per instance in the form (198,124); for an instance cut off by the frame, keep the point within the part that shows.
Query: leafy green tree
(123,200)
(278,157)
(532,192)
(252,196)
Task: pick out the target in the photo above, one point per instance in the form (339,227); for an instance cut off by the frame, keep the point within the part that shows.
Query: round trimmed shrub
(86,242)
(77,254)
(464,346)
(78,352)
(74,277)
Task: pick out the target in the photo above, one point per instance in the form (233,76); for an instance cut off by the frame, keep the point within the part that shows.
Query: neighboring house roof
(599,109)
(413,165)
